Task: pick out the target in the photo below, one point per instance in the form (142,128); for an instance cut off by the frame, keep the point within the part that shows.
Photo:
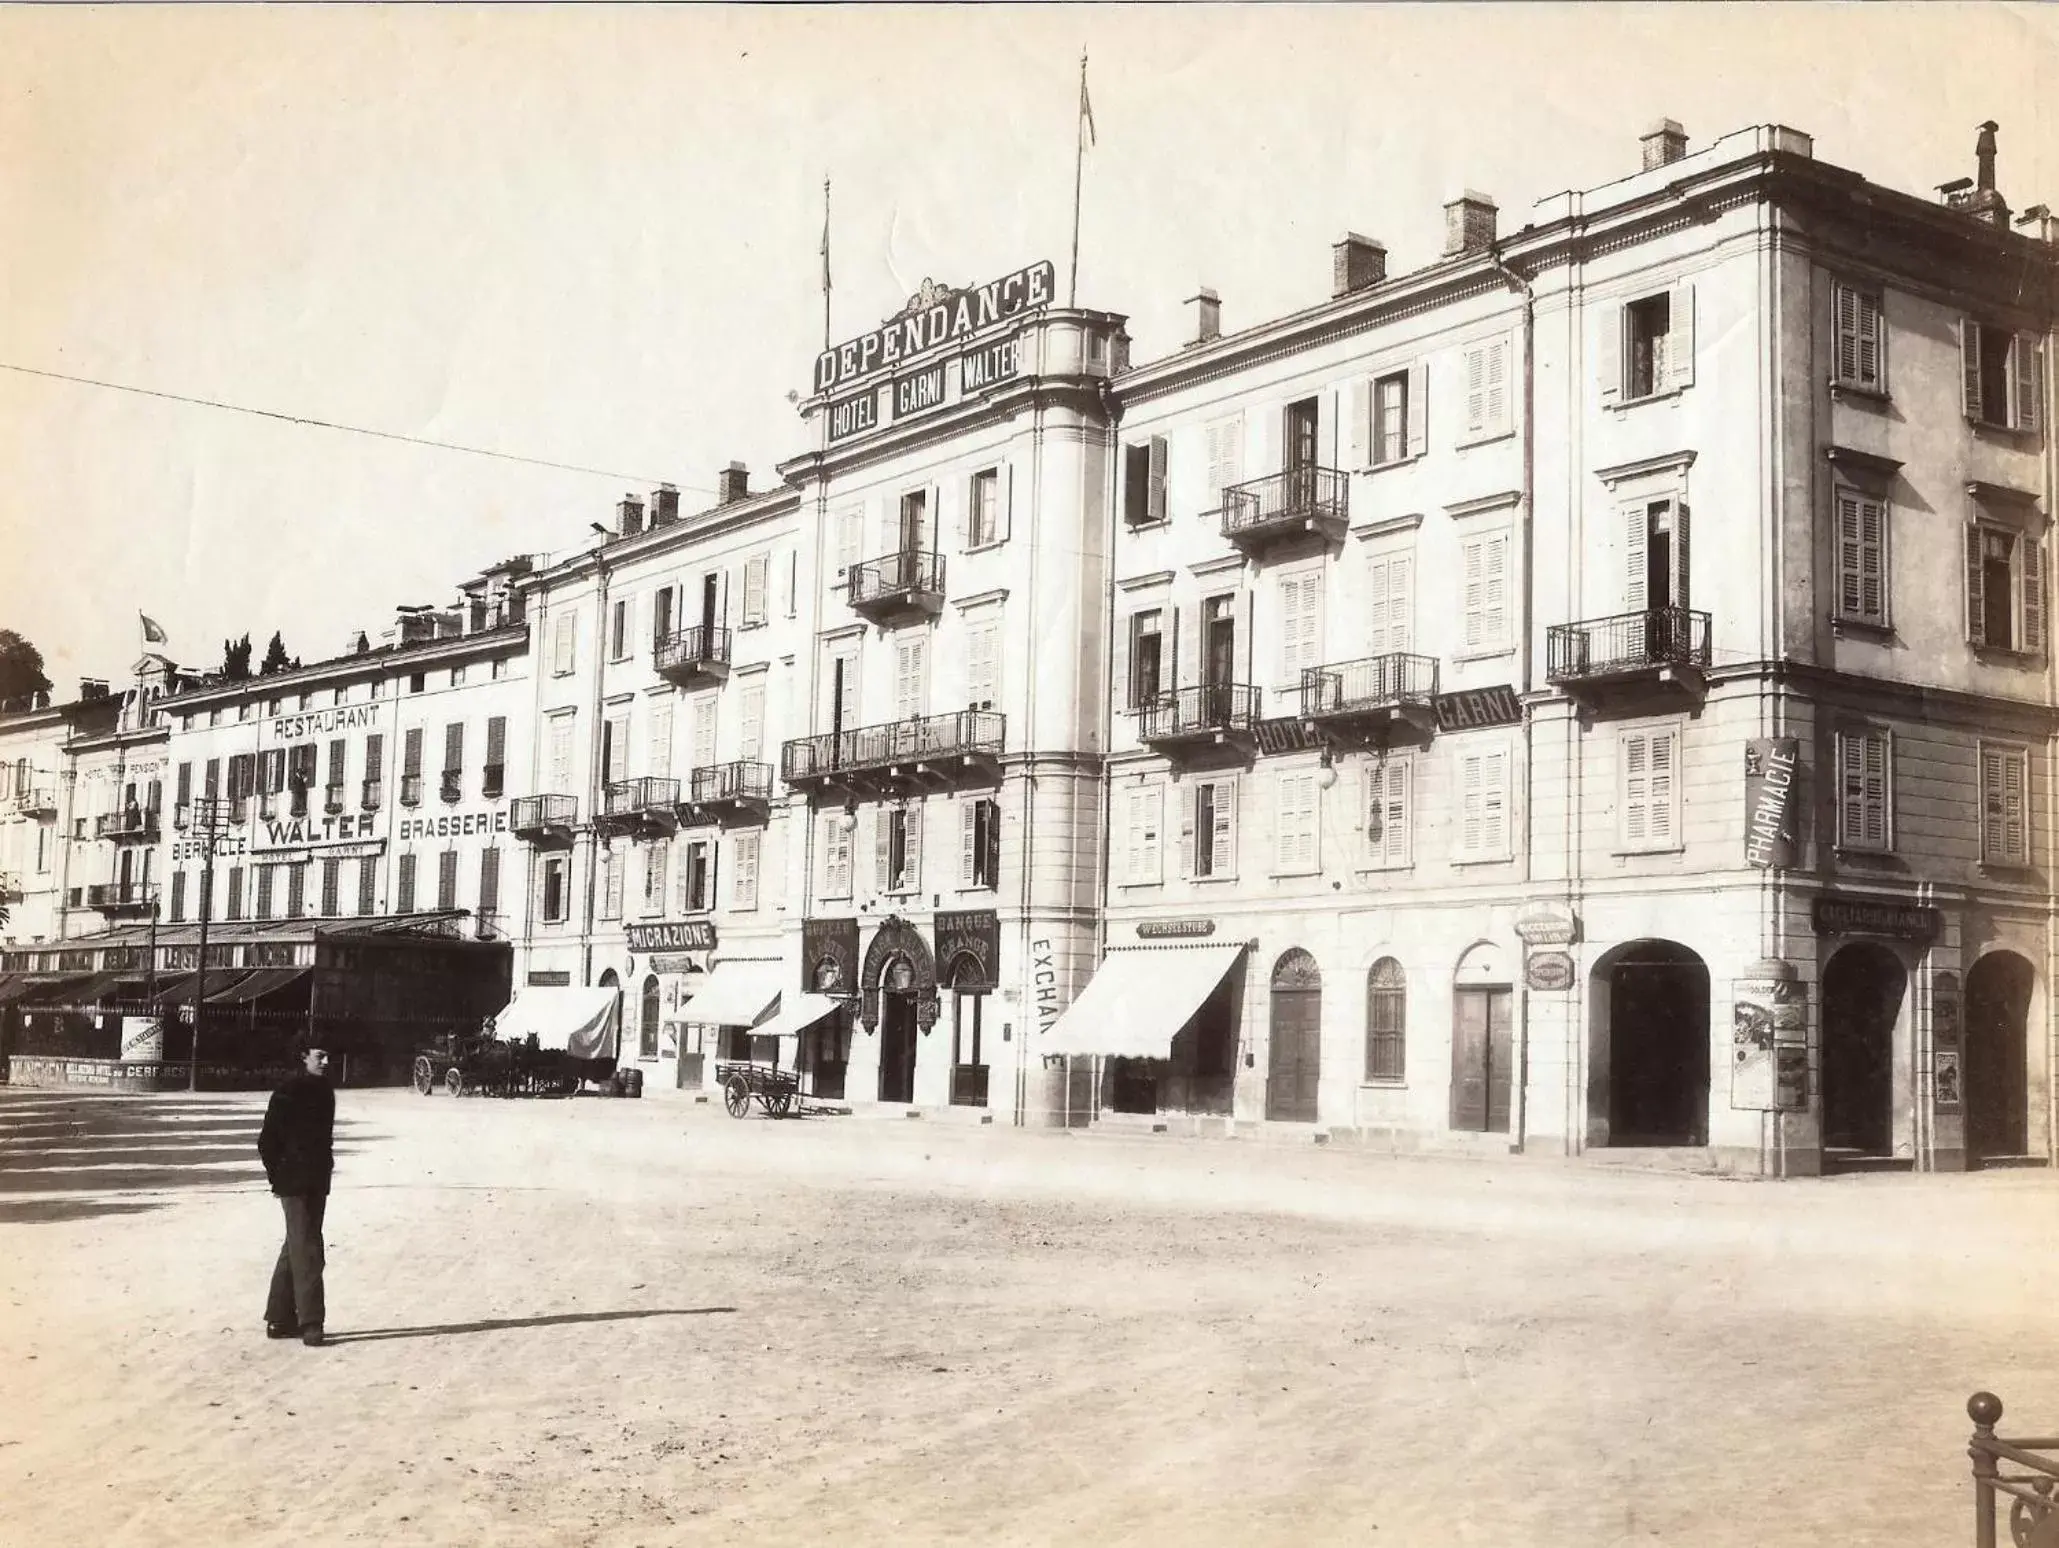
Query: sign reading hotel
(935,317)
(1769,803)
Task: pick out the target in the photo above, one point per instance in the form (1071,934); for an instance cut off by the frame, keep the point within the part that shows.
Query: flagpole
(1079,158)
(825,263)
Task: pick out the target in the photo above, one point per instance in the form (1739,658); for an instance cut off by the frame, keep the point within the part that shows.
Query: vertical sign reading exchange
(1770,764)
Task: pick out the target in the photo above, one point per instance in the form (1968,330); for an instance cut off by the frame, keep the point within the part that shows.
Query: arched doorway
(969,989)
(1293,1067)
(1997,1056)
(1483,1041)
(897,1030)
(1864,986)
(1654,1048)
(647,1019)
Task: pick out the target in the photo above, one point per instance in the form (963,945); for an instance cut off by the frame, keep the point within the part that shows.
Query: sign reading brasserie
(1769,804)
(675,935)
(1862,916)
(933,318)
(453,825)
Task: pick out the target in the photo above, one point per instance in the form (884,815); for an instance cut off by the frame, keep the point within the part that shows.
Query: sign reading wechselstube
(933,318)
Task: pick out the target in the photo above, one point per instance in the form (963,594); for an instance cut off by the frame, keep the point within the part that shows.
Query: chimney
(732,484)
(1468,224)
(664,505)
(1665,142)
(91,688)
(1356,263)
(1208,316)
(631,512)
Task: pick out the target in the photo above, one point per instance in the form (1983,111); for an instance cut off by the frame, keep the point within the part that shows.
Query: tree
(236,660)
(21,667)
(275,659)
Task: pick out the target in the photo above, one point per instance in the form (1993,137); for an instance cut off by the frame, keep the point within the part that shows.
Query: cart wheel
(425,1075)
(454,1081)
(779,1106)
(736,1096)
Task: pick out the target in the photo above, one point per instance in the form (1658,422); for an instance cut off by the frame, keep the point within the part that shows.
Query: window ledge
(2014,432)
(1500,859)
(987,547)
(758,623)
(1483,653)
(1398,462)
(1487,438)
(986,887)
(1626,851)
(1862,628)
(1384,868)
(1151,526)
(2009,870)
(1624,401)
(1381,1083)
(1294,875)
(1138,886)
(1871,397)
(2002,655)
(1858,852)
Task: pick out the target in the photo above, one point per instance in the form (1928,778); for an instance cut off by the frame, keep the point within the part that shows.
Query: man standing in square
(297,1144)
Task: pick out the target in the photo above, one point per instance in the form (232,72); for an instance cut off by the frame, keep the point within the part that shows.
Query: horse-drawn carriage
(547,1042)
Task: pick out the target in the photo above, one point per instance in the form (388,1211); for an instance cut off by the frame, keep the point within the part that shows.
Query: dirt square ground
(615,1323)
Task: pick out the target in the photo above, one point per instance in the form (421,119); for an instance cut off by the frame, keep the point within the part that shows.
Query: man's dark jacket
(297,1141)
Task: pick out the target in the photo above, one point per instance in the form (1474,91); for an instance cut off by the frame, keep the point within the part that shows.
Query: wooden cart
(743,1081)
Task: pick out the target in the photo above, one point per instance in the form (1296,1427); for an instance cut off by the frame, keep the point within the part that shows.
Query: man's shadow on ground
(498,1324)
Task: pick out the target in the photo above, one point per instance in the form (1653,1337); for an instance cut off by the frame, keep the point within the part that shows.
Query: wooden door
(1294,1061)
(1482,1059)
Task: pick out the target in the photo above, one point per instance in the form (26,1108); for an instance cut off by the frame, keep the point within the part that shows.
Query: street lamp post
(208,820)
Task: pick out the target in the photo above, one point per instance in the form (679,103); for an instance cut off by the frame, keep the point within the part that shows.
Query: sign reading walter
(311,832)
(678,935)
(934,317)
(1769,801)
(973,933)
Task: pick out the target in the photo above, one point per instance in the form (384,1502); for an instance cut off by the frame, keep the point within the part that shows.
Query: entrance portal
(1997,1049)
(1863,990)
(896,1046)
(1293,1067)
(1658,1046)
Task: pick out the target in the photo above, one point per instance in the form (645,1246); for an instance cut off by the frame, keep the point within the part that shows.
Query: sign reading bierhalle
(935,316)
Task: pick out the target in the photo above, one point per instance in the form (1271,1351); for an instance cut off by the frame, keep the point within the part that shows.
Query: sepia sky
(590,235)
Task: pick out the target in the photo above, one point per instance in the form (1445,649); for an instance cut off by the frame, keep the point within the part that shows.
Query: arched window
(1386,1021)
(647,1031)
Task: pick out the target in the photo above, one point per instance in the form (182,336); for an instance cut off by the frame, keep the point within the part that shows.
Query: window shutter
(1418,408)
(2033,572)
(1186,641)
(661,737)
(1976,609)
(982,664)
(1154,503)
(1494,802)
(1659,793)
(1876,754)
(2015,832)
(1475,594)
(882,849)
(957,520)
(1476,390)
(751,743)
(1359,423)
(1190,831)
(1496,552)
(1845,308)
(1119,665)
(1006,519)
(1609,352)
(911,877)
(1398,819)
(1873,559)
(754,589)
(1498,354)
(968,841)
(1636,786)
(1636,522)
(1222,838)
(1683,572)
(910,660)
(1680,337)
(704,731)
(1969,369)
(2027,358)
(1849,546)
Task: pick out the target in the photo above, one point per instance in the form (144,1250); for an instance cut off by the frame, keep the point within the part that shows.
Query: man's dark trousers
(296,1297)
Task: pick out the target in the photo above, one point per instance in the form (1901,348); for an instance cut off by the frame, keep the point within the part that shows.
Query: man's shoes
(312,1336)
(274,1330)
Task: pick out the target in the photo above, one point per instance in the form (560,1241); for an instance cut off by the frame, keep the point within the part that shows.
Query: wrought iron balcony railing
(1204,712)
(1627,645)
(922,745)
(36,802)
(332,797)
(132,822)
(452,786)
(906,581)
(1285,505)
(538,817)
(120,897)
(729,789)
(493,780)
(2024,1470)
(685,654)
(640,803)
(1373,687)
(410,790)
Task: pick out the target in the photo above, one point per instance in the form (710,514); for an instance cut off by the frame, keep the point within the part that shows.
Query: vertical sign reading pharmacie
(1771,764)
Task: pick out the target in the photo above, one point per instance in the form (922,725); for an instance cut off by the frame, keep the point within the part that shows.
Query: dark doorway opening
(1863,990)
(896,1046)
(1482,1059)
(1658,1046)
(1997,1057)
(1294,1066)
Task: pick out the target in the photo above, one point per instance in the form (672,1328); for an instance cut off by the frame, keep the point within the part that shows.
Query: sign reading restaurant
(933,318)
(325,722)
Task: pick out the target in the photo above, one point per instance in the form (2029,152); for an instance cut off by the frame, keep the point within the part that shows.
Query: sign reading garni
(934,317)
(1769,801)
(1477,707)
(1862,916)
(675,935)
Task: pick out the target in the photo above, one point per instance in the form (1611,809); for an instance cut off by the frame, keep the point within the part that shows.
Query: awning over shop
(99,988)
(257,985)
(30,988)
(179,991)
(797,1016)
(1139,998)
(737,994)
(584,1022)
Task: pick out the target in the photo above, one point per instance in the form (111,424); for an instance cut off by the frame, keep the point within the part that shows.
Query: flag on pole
(1086,104)
(153,631)
(825,263)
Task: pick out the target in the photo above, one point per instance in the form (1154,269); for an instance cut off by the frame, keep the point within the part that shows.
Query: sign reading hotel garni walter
(1769,804)
(675,935)
(933,318)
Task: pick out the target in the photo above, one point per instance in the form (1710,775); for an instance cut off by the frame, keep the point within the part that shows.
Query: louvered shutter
(1187,666)
(1846,308)
(1969,369)
(704,731)
(1680,337)
(1608,352)
(1191,819)
(1119,668)
(1873,559)
(2027,357)
(1494,802)
(1636,787)
(1498,387)
(751,742)
(661,737)
(911,846)
(968,841)
(1850,553)
(1872,341)
(2015,830)
(1418,408)
(1683,571)
(1636,529)
(1876,774)
(1496,552)
(982,664)
(1659,793)
(1359,423)
(1222,836)
(1476,389)
(1006,519)
(911,658)
(1398,819)
(882,849)
(754,589)
(1475,594)
(2032,567)
(1976,600)
(1154,499)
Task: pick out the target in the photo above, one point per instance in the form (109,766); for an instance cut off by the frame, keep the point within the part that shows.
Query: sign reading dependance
(934,317)
(1769,801)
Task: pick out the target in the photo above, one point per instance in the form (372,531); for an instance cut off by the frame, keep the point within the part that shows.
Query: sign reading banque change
(934,317)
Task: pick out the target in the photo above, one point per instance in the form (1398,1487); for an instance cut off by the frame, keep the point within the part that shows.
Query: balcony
(696,655)
(1301,502)
(132,824)
(239,809)
(493,780)
(296,801)
(121,897)
(332,797)
(1668,645)
(451,789)
(908,584)
(11,889)
(36,803)
(1355,697)
(373,796)
(899,757)
(1205,715)
(728,793)
(410,790)
(642,806)
(543,819)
